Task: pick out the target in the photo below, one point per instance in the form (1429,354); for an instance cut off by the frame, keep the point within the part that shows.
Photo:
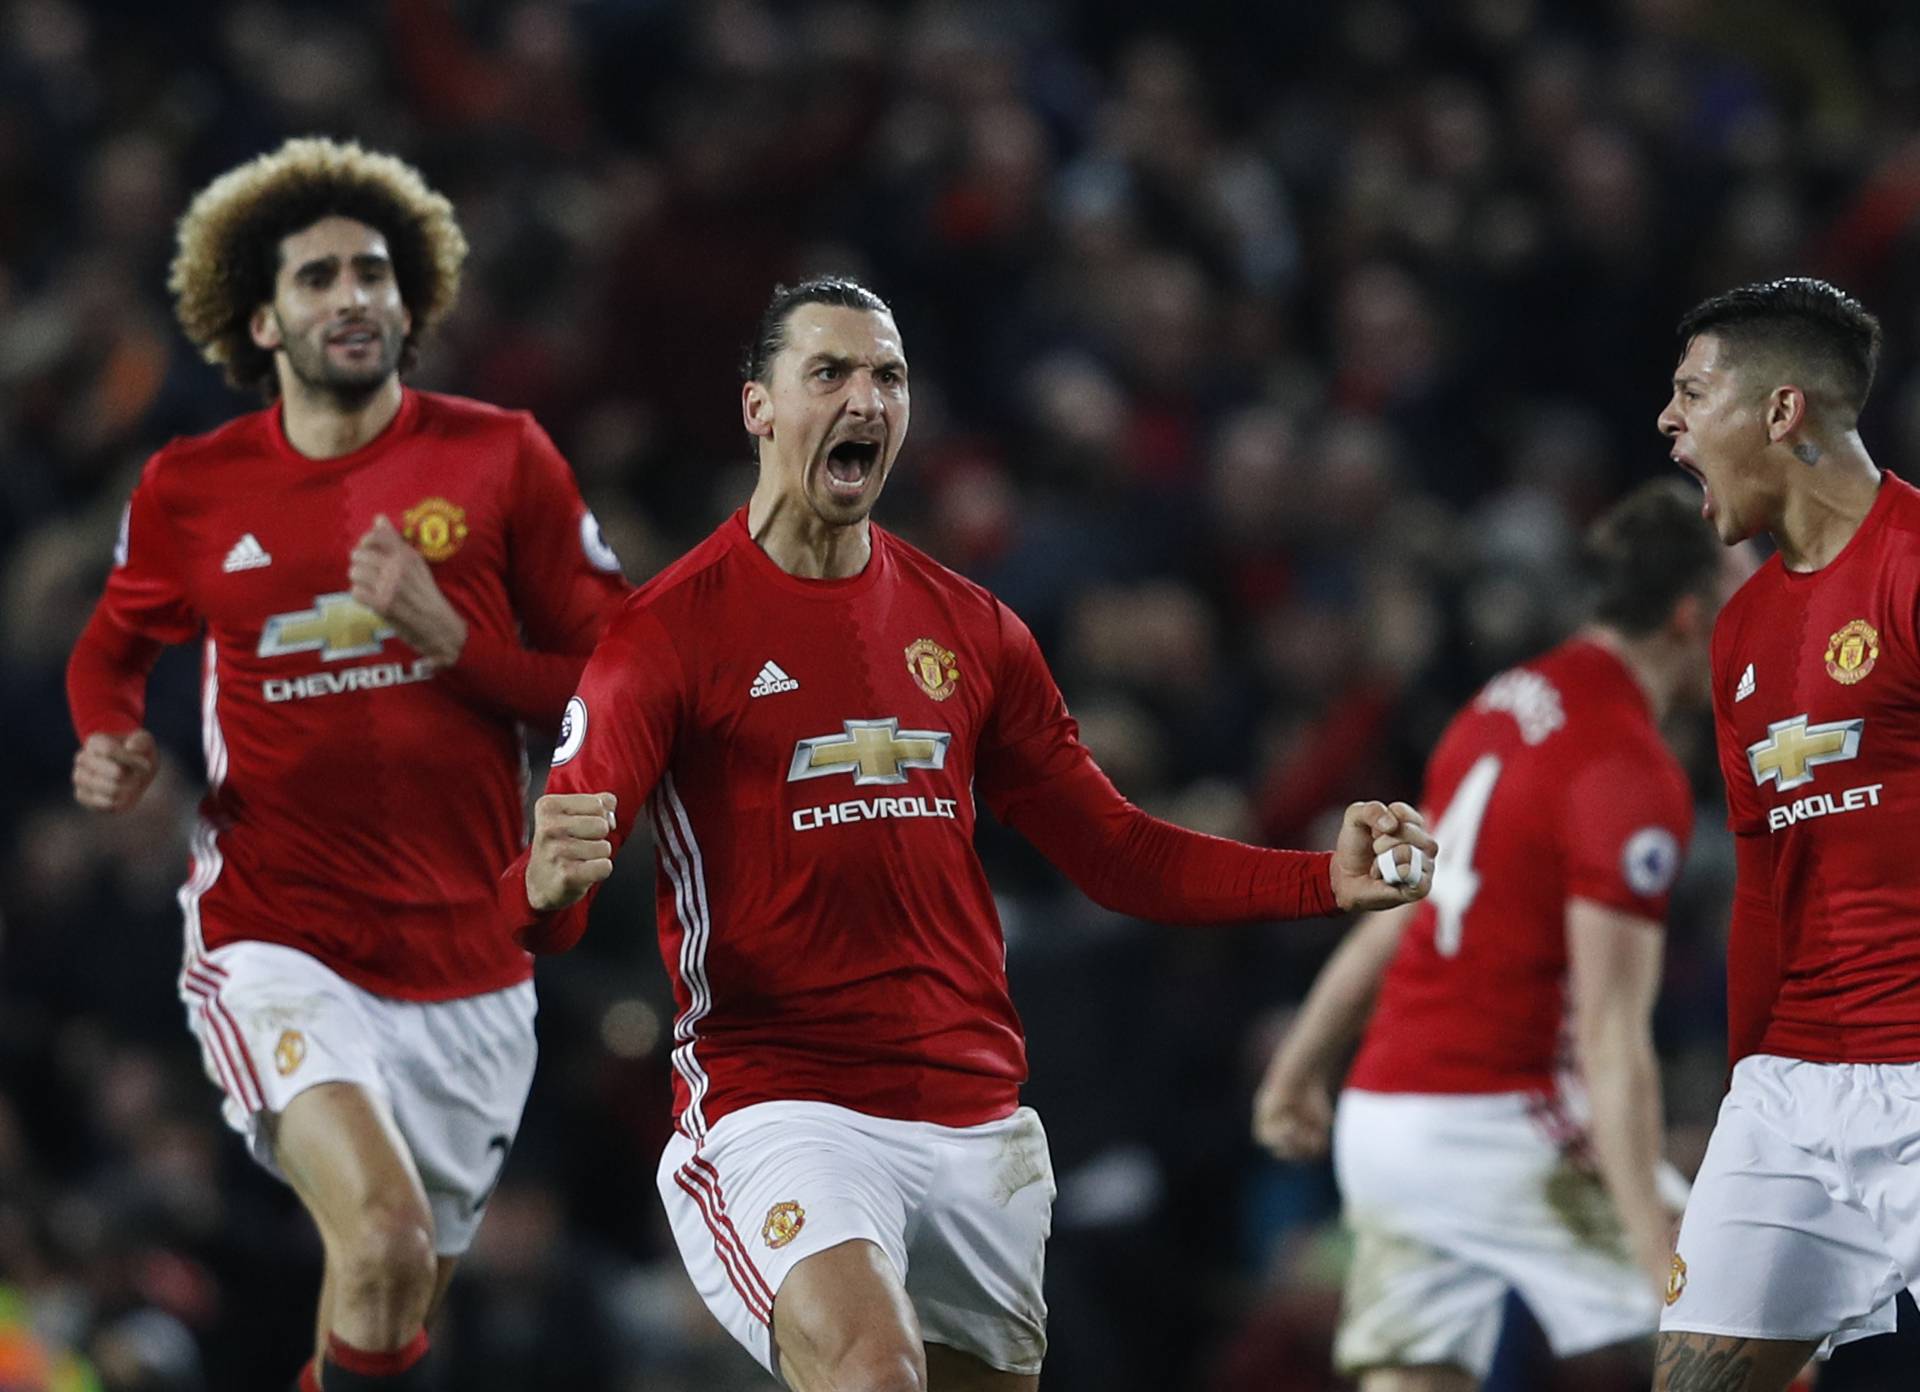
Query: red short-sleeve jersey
(1553,784)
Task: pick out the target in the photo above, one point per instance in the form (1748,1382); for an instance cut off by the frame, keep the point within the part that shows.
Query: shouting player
(1805,1218)
(1473,1158)
(360,560)
(807,710)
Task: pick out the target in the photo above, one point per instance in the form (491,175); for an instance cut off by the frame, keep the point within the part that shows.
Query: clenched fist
(1292,1117)
(1375,833)
(392,579)
(111,772)
(572,848)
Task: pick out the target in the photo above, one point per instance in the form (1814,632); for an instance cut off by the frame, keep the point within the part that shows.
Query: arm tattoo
(1683,1366)
(1807,452)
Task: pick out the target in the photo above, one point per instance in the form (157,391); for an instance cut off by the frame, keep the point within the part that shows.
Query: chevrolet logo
(337,625)
(873,751)
(1793,749)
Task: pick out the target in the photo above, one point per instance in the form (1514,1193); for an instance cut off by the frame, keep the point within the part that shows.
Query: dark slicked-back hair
(1647,552)
(228,245)
(756,364)
(1803,326)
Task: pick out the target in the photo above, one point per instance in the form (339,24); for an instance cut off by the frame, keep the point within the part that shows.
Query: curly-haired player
(360,561)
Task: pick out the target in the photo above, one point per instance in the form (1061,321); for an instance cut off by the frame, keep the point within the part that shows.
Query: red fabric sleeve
(565,583)
(107,677)
(145,606)
(499,673)
(146,589)
(1625,827)
(1753,934)
(616,737)
(1753,949)
(1040,780)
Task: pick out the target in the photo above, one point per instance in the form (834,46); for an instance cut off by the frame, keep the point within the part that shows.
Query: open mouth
(1693,471)
(850,464)
(353,338)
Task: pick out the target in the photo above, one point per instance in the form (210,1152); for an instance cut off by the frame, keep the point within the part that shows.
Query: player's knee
(388,1260)
(881,1370)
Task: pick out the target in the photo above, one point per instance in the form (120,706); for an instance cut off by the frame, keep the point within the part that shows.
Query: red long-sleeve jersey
(361,803)
(1816,689)
(809,753)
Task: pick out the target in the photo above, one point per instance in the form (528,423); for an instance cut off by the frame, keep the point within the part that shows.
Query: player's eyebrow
(362,261)
(847,364)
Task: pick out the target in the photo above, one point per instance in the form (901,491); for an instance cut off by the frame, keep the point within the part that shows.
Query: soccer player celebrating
(807,709)
(1803,1224)
(360,560)
(1472,1157)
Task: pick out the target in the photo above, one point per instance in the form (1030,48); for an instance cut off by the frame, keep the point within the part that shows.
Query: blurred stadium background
(1268,358)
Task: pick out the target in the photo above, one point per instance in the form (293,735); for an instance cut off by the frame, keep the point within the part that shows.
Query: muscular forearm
(1623,1086)
(1335,1011)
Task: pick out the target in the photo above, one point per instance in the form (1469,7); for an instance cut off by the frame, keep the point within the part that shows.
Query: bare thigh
(340,1149)
(1688,1362)
(1436,1377)
(842,1318)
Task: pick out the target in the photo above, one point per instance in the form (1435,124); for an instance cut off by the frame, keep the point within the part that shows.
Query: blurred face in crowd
(833,414)
(336,321)
(1718,425)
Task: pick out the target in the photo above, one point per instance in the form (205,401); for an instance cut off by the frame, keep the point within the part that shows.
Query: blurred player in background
(1474,1156)
(1805,1218)
(806,709)
(360,561)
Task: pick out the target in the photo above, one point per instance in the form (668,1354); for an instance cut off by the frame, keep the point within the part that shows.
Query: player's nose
(1670,423)
(864,398)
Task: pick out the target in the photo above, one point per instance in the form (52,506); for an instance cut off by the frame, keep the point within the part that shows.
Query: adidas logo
(772,680)
(247,554)
(1745,689)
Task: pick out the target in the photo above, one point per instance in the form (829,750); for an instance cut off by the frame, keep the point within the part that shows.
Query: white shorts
(963,1213)
(1455,1200)
(1805,1218)
(273,1022)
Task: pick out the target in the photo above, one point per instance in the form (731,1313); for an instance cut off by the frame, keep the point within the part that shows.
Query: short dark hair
(756,364)
(1646,553)
(1807,322)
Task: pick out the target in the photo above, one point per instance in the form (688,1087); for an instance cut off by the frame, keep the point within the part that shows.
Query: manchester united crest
(1676,1278)
(933,668)
(435,526)
(784,1221)
(290,1052)
(1852,652)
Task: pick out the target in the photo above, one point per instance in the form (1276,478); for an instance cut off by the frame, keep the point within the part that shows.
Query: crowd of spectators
(1268,358)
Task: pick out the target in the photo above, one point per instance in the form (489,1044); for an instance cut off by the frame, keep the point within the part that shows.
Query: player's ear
(1786,412)
(756,409)
(264,328)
